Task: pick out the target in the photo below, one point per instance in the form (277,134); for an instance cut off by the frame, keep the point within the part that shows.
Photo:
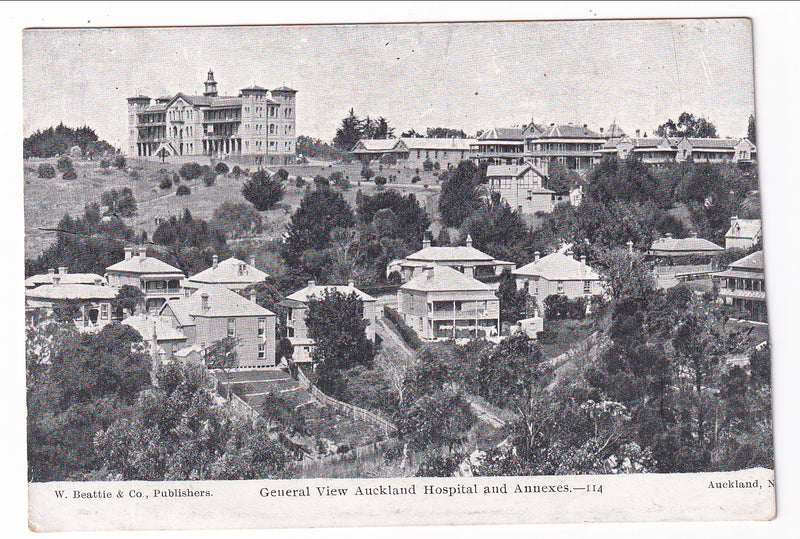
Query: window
(587,287)
(560,289)
(104,311)
(262,351)
(231,327)
(262,326)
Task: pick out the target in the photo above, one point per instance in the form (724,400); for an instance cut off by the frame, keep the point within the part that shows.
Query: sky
(468,76)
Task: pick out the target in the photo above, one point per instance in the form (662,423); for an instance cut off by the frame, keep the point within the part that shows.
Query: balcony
(561,153)
(743,294)
(471,314)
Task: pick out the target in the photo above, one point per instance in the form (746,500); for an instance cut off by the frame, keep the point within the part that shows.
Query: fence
(357,453)
(236,402)
(346,409)
(587,344)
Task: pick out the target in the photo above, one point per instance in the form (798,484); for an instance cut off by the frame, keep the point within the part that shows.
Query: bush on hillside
(166,183)
(119,161)
(209,177)
(262,191)
(182,190)
(380,181)
(46,171)
(105,163)
(64,164)
(190,171)
(69,174)
(221,168)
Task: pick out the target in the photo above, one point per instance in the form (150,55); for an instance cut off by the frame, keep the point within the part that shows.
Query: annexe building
(521,187)
(558,273)
(742,287)
(574,147)
(443,303)
(413,152)
(661,150)
(157,280)
(296,305)
(231,273)
(89,305)
(466,259)
(743,233)
(213,313)
(499,146)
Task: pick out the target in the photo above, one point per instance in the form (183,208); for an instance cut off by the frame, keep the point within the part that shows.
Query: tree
(622,179)
(459,196)
(46,171)
(221,168)
(380,181)
(627,275)
(119,161)
(128,299)
(687,126)
(349,133)
(436,420)
(58,141)
(237,219)
(444,132)
(560,179)
(366,172)
(321,181)
(513,302)
(411,133)
(498,230)
(412,219)
(376,129)
(751,129)
(64,164)
(183,190)
(262,191)
(310,226)
(336,323)
(121,203)
(190,171)
(165,183)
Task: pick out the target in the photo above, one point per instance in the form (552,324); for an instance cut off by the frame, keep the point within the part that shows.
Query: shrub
(221,168)
(190,171)
(119,161)
(380,181)
(64,164)
(339,180)
(437,166)
(415,179)
(182,190)
(46,171)
(299,182)
(176,178)
(105,163)
(262,191)
(282,174)
(69,174)
(409,335)
(166,183)
(559,307)
(236,171)
(427,165)
(321,181)
(209,177)
(367,173)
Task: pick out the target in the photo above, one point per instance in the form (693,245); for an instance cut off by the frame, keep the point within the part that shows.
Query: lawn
(48,200)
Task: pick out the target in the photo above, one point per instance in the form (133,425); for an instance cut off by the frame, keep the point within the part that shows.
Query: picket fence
(342,407)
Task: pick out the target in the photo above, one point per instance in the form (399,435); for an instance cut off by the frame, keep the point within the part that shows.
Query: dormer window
(242,269)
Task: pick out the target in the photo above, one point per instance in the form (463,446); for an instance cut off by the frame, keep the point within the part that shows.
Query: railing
(346,409)
(461,314)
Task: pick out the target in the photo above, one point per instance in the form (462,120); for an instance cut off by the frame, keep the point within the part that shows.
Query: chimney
(469,240)
(62,270)
(734,218)
(204,300)
(669,235)
(351,283)
(128,252)
(630,246)
(215,261)
(585,126)
(311,284)
(583,259)
(638,131)
(536,256)
(51,272)
(252,261)
(469,271)
(426,243)
(56,279)
(142,253)
(601,130)
(253,296)
(568,252)
(693,234)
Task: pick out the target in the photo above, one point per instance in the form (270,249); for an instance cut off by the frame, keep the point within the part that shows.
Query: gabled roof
(229,272)
(444,279)
(145,323)
(64,278)
(417,143)
(503,133)
(318,292)
(744,228)
(558,267)
(614,130)
(504,171)
(71,292)
(284,89)
(255,88)
(683,246)
(568,131)
(640,142)
(375,145)
(222,302)
(449,254)
(146,265)
(751,261)
(713,143)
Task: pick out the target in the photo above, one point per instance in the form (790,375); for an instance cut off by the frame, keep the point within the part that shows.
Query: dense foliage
(60,139)
(262,190)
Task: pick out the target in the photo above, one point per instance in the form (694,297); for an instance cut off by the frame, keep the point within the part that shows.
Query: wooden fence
(342,407)
(237,403)
(357,453)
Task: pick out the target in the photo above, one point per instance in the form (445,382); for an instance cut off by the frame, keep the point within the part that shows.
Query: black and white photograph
(437,262)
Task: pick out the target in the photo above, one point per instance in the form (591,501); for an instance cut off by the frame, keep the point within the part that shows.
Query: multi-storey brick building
(258,125)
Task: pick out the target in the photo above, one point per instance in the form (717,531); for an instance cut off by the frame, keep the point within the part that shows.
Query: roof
(732,273)
(640,142)
(417,143)
(444,279)
(448,254)
(684,246)
(714,143)
(751,261)
(230,271)
(558,267)
(71,292)
(64,278)
(500,171)
(188,350)
(284,89)
(503,133)
(222,302)
(254,87)
(318,291)
(615,130)
(144,324)
(746,228)
(375,145)
(148,264)
(567,131)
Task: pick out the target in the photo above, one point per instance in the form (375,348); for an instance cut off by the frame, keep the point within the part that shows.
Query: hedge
(409,335)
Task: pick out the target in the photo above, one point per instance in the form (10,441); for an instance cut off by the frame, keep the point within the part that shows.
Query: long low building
(413,152)
(89,305)
(660,150)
